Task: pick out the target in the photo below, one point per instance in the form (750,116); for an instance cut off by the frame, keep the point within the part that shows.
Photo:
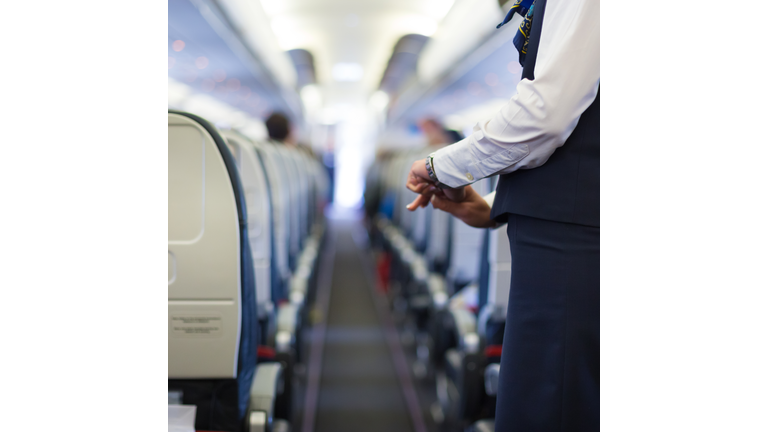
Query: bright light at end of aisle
(347,72)
(355,138)
(380,100)
(312,98)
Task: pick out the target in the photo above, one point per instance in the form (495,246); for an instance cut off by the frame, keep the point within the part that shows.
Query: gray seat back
(466,243)
(281,207)
(204,279)
(303,182)
(439,236)
(294,214)
(255,187)
(213,331)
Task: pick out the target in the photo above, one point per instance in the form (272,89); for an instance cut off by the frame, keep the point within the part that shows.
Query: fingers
(418,188)
(417,184)
(420,201)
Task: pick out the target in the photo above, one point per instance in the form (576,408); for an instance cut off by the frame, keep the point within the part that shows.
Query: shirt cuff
(450,164)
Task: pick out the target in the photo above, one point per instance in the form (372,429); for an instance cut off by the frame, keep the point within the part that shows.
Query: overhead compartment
(467,71)
(214,60)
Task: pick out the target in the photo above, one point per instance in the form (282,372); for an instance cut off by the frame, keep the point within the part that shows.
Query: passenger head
(434,132)
(278,127)
(453,136)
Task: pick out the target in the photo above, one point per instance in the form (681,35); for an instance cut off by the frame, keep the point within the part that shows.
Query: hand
(419,182)
(472,209)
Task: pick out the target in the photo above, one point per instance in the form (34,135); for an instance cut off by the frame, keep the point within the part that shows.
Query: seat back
(438,241)
(305,166)
(391,189)
(303,183)
(278,183)
(212,326)
(500,271)
(322,185)
(466,244)
(259,209)
(420,228)
(294,213)
(495,273)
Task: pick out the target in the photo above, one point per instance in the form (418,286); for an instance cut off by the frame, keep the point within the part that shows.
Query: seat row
(245,227)
(450,282)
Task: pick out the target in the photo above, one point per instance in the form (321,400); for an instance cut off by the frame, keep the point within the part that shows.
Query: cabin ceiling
(343,33)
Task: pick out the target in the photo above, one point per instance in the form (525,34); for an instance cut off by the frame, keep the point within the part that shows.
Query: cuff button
(469,177)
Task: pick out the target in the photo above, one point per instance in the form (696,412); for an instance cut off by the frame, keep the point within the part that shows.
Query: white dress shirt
(544,112)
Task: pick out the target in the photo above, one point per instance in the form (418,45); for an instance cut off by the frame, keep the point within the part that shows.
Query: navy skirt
(550,363)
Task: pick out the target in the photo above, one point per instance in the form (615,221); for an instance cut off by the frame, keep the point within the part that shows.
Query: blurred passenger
(436,134)
(453,136)
(545,144)
(280,129)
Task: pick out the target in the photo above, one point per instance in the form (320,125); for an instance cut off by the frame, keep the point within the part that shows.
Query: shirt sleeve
(541,116)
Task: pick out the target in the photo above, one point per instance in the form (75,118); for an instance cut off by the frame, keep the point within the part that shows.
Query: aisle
(358,385)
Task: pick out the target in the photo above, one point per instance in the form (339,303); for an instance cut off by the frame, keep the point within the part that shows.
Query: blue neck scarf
(525,9)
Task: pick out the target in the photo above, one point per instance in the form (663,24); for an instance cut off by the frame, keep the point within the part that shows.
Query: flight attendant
(545,144)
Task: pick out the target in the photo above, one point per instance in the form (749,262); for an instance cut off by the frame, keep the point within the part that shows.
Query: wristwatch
(431,171)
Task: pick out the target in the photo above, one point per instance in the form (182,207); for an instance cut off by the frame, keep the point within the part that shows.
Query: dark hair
(453,136)
(278,126)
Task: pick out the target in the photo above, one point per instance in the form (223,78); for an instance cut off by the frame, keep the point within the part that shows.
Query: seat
(279,183)
(470,334)
(493,296)
(283,335)
(303,195)
(212,314)
(452,255)
(466,243)
(259,209)
(293,183)
(438,246)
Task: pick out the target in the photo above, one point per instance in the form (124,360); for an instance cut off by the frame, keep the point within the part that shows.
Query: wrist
(430,165)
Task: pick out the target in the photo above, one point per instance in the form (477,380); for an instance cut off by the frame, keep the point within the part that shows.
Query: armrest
(287,317)
(436,283)
(437,289)
(405,252)
(419,268)
(287,320)
(299,284)
(464,320)
(309,254)
(264,390)
(300,279)
(483,426)
(466,329)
